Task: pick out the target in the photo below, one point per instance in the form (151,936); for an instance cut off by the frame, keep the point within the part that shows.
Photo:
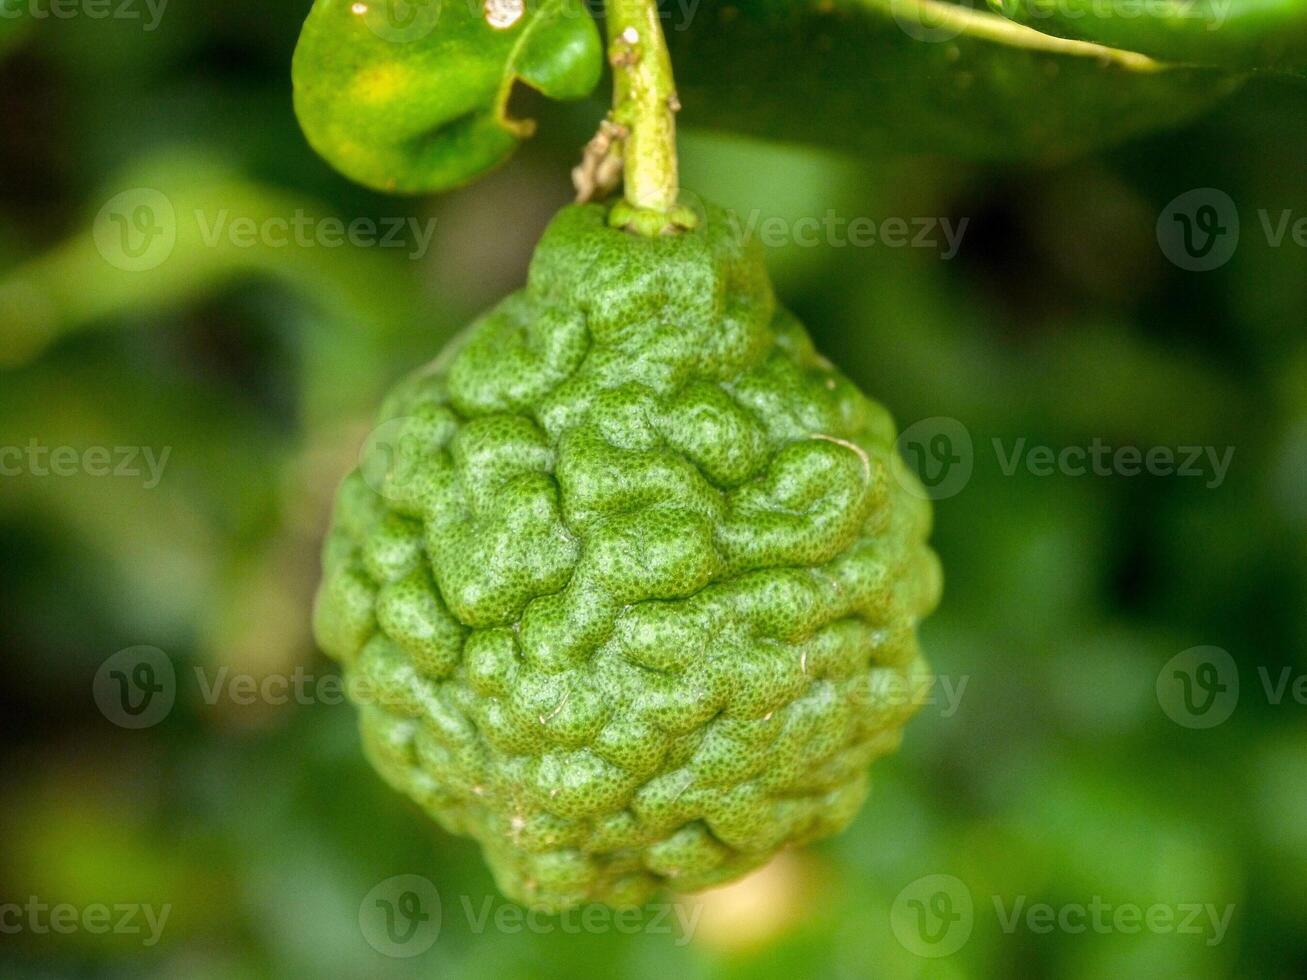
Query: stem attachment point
(645,106)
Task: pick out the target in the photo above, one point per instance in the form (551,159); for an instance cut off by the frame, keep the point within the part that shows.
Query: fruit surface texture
(627,584)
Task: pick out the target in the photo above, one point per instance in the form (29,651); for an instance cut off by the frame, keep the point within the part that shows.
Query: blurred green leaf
(921,75)
(166,233)
(1230,33)
(413,95)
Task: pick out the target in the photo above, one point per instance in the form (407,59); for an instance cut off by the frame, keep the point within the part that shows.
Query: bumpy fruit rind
(627,584)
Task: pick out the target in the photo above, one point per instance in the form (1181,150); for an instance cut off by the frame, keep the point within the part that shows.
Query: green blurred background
(1059,776)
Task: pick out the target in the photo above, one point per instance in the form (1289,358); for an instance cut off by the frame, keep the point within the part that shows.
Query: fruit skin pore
(628,588)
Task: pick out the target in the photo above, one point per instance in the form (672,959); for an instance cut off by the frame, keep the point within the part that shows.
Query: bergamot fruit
(628,591)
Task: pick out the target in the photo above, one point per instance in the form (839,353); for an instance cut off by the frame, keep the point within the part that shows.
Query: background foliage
(1060,321)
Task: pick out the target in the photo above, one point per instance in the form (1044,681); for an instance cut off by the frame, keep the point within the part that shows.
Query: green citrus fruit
(627,584)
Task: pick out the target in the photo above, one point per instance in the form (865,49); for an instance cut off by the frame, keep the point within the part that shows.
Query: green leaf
(163,235)
(921,76)
(1247,34)
(412,95)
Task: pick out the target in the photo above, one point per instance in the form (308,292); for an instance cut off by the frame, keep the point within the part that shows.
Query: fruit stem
(645,106)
